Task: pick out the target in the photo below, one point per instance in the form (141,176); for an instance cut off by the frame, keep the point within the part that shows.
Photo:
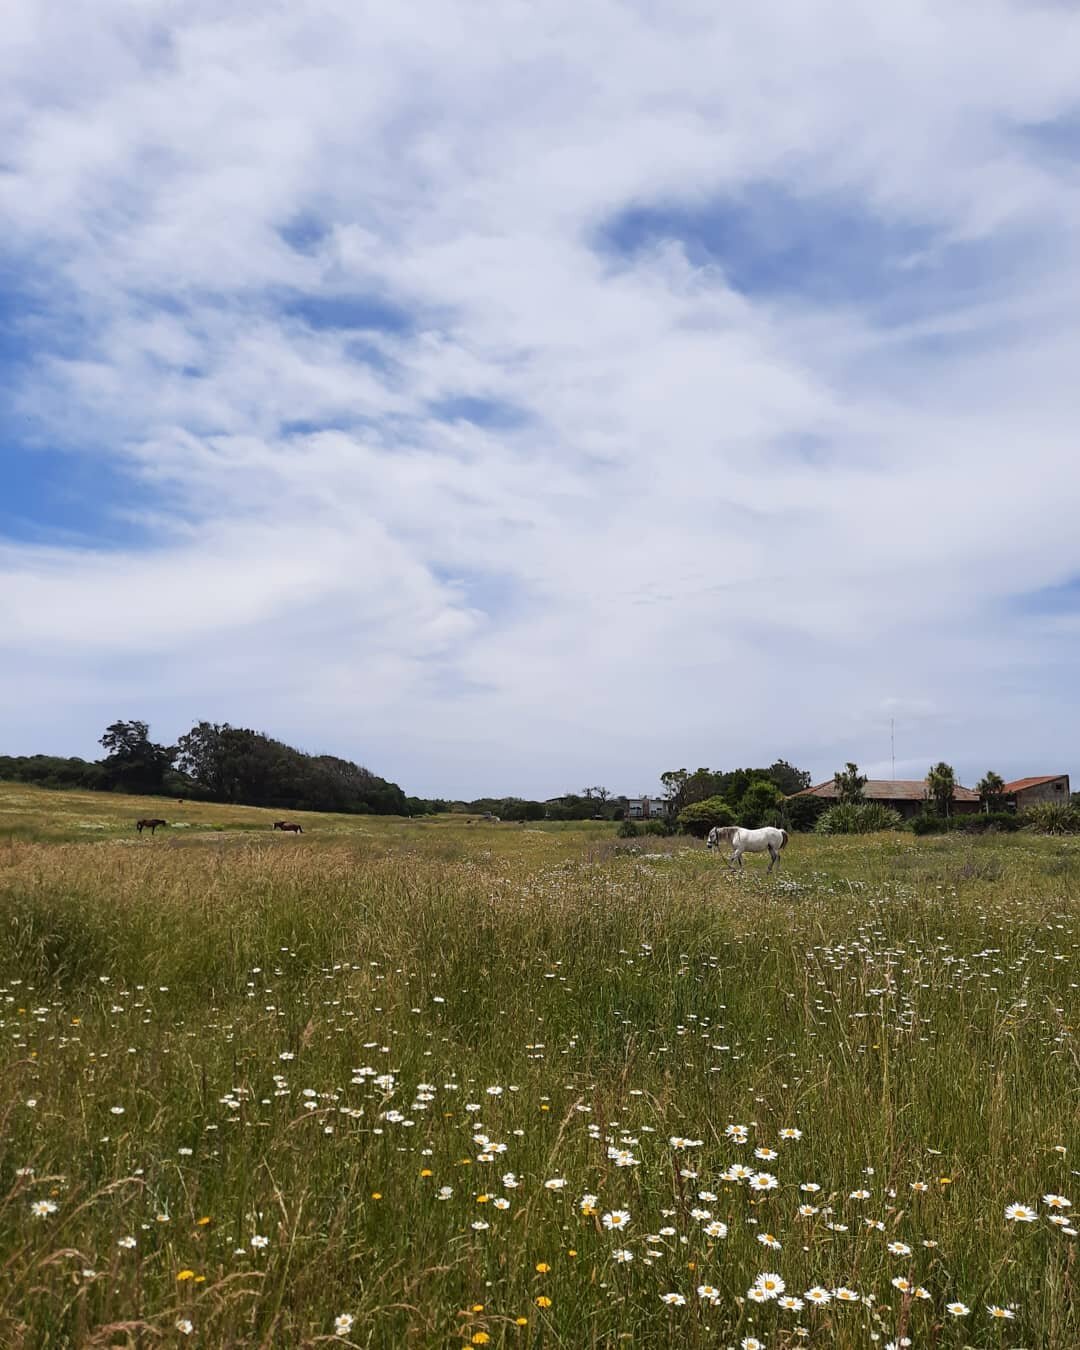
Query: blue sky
(547,401)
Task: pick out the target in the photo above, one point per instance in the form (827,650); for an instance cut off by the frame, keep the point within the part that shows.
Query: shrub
(658,827)
(627,830)
(929,822)
(857,818)
(877,817)
(988,822)
(804,812)
(701,817)
(1051,818)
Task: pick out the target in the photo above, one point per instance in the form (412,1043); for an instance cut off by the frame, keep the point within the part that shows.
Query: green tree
(991,790)
(760,804)
(207,754)
(734,783)
(235,764)
(787,777)
(570,806)
(133,761)
(683,789)
(849,784)
(674,784)
(700,817)
(941,784)
(516,808)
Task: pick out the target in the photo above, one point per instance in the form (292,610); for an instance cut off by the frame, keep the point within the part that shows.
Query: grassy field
(430,1084)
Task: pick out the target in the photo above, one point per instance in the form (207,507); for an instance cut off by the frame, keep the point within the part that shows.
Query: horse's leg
(774,859)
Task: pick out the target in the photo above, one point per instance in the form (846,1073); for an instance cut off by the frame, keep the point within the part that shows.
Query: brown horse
(288,827)
(149,824)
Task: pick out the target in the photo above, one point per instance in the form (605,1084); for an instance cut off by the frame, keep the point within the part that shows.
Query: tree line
(218,763)
(698,801)
(221,763)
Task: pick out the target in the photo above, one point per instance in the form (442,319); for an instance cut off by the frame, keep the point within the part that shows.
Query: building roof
(890,790)
(1019,784)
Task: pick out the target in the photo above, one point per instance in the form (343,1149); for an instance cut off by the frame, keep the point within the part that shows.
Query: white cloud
(652,569)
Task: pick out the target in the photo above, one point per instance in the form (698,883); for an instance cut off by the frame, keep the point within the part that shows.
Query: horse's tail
(783,838)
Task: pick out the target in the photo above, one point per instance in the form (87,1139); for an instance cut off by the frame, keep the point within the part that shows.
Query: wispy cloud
(518,397)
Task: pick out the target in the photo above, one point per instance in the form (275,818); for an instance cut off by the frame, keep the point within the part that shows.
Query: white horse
(769,839)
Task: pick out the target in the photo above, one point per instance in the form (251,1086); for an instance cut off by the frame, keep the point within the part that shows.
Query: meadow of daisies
(428,1084)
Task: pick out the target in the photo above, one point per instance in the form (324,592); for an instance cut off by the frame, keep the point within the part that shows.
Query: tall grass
(910,1007)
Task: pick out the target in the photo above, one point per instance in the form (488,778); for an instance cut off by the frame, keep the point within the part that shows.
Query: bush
(989,822)
(1051,818)
(929,822)
(804,812)
(857,818)
(701,817)
(658,827)
(627,830)
(876,817)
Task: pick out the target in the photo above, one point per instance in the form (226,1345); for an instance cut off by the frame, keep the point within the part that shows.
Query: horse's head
(720,834)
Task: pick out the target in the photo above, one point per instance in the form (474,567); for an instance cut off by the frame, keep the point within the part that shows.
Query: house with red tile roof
(1025,792)
(906,795)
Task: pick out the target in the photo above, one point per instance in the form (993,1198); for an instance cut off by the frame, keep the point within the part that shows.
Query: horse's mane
(726,833)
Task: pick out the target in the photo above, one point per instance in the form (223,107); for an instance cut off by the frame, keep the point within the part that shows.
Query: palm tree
(991,790)
(941,784)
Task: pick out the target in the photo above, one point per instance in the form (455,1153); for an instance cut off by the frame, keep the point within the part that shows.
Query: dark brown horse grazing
(149,824)
(288,827)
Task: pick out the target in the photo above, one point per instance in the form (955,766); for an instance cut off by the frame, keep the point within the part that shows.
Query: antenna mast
(892,744)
